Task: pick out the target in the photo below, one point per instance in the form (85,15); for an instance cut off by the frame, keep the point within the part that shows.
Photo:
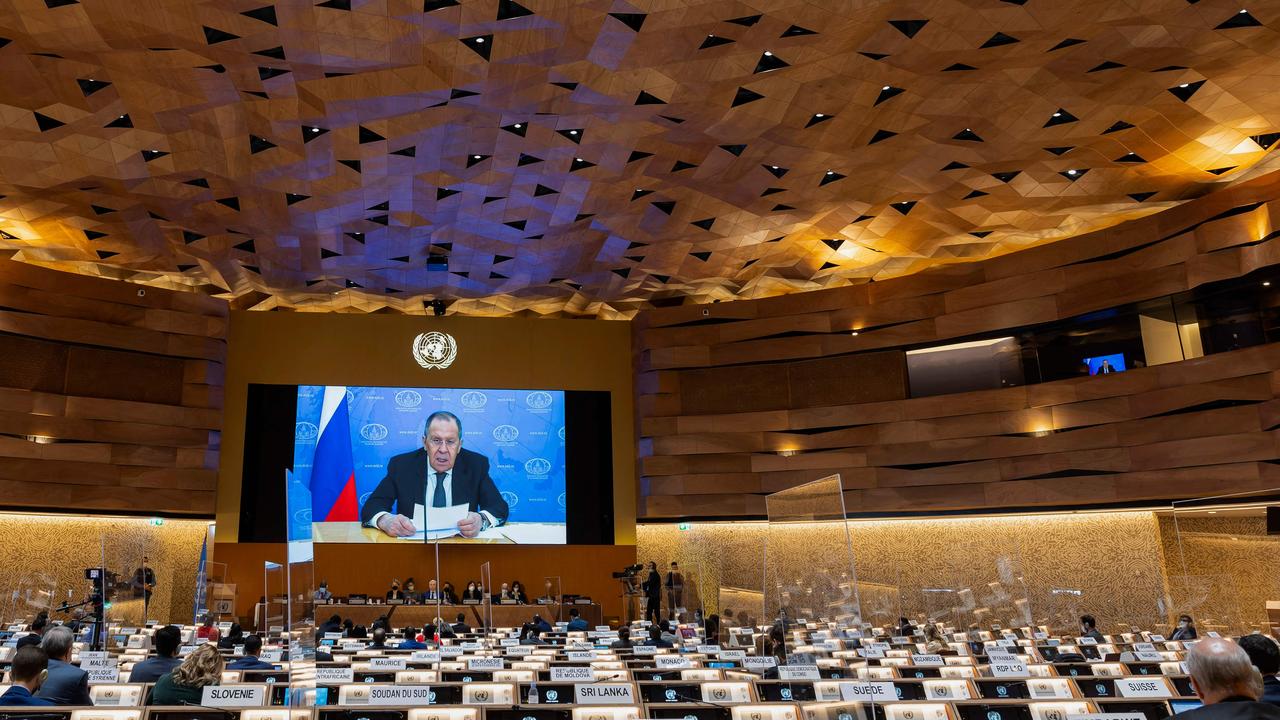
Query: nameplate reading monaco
(400,695)
(392,663)
(335,675)
(234,696)
(485,664)
(670,661)
(868,691)
(1142,688)
(572,674)
(604,694)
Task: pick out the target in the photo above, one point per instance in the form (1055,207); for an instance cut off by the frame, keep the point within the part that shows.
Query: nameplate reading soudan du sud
(234,696)
(604,693)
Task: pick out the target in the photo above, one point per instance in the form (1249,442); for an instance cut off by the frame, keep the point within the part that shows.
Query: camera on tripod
(629,571)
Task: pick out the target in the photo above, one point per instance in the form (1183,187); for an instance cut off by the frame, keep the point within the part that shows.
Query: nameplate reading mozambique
(400,695)
(338,675)
(1142,688)
(234,696)
(604,694)
(563,673)
(868,691)
(927,660)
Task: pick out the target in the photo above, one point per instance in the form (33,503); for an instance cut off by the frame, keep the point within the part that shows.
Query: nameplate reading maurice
(604,694)
(234,696)
(387,663)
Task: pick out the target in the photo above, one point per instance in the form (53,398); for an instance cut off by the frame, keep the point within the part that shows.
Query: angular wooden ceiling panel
(560,156)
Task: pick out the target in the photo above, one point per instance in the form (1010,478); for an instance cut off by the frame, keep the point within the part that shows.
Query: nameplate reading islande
(234,696)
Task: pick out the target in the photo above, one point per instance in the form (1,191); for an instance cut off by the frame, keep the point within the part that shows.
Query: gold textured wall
(1222,569)
(44,556)
(985,569)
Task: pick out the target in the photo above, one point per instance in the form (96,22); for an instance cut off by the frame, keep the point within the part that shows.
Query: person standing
(675,591)
(653,594)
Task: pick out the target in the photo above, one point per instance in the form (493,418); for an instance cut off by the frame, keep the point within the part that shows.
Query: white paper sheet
(437,522)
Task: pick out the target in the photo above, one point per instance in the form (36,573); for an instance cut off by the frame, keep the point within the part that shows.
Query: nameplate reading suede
(485,664)
(868,692)
(400,695)
(604,694)
(387,663)
(233,695)
(871,652)
(1142,688)
(563,673)
(339,675)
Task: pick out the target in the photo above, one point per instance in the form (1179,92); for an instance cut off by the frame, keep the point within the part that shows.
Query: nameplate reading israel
(387,663)
(733,654)
(1142,688)
(484,664)
(234,696)
(562,673)
(868,691)
(400,695)
(927,660)
(604,694)
(335,675)
(799,672)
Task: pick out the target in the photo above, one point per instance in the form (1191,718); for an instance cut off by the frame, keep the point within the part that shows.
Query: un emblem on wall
(305,431)
(435,350)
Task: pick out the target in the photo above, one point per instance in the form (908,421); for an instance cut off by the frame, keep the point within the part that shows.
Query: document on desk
(437,523)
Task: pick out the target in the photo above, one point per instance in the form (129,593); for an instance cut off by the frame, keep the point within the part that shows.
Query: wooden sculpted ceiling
(597,156)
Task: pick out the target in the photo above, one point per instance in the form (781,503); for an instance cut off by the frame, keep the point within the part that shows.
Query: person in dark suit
(250,661)
(66,683)
(576,623)
(473,592)
(410,641)
(461,627)
(540,624)
(34,637)
(1089,628)
(1226,682)
(653,594)
(624,640)
(439,474)
(1265,655)
(27,671)
(1186,629)
(166,639)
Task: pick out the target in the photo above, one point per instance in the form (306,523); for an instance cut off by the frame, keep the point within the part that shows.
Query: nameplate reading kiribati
(234,696)
(604,694)
(400,695)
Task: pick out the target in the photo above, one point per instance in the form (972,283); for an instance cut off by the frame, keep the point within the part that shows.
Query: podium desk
(419,615)
(522,533)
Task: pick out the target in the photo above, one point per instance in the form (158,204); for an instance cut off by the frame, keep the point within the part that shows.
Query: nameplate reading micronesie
(604,694)
(234,696)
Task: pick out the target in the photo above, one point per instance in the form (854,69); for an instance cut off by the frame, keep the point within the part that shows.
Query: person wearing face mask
(395,593)
(410,592)
(27,672)
(1089,628)
(473,592)
(1186,629)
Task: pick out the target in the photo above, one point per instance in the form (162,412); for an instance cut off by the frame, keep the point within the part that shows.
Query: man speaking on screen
(442,474)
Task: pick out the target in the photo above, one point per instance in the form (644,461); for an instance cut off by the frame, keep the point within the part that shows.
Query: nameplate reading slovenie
(234,696)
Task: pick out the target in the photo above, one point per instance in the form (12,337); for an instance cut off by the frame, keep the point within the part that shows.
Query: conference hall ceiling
(597,157)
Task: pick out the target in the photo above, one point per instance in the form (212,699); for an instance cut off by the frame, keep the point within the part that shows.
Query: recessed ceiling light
(886,87)
(768,54)
(831,172)
(517,126)
(1057,114)
(577,159)
(1071,172)
(818,115)
(854,333)
(479,40)
(1213,512)
(775,167)
(312,129)
(573,132)
(477,157)
(1266,283)
(1185,85)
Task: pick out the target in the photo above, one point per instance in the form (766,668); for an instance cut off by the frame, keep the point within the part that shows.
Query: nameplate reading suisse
(484,664)
(400,695)
(387,663)
(335,675)
(234,696)
(563,673)
(868,691)
(799,672)
(733,654)
(604,694)
(1142,688)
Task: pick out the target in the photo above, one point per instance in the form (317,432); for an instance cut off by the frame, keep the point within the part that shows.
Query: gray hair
(1218,665)
(58,640)
(441,415)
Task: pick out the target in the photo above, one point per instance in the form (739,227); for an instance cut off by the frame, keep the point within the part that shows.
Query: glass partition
(486,586)
(1219,548)
(299,637)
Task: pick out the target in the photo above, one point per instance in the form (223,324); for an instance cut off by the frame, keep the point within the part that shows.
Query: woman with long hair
(185,685)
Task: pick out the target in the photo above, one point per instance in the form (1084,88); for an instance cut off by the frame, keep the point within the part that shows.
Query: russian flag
(333,472)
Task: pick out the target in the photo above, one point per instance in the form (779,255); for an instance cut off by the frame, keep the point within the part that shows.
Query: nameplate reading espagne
(1142,688)
(580,655)
(604,694)
(799,672)
(99,676)
(400,695)
(927,660)
(562,673)
(234,696)
(425,656)
(1049,689)
(733,655)
(644,650)
(387,663)
(759,664)
(485,664)
(335,675)
(1009,668)
(868,691)
(670,661)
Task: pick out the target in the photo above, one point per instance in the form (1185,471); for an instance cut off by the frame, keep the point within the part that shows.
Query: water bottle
(533,694)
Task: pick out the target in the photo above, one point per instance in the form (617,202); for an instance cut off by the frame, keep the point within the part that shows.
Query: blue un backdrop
(520,431)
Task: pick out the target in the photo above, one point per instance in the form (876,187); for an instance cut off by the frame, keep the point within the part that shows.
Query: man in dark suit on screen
(442,474)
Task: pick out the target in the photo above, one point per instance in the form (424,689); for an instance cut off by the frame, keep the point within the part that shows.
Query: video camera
(629,571)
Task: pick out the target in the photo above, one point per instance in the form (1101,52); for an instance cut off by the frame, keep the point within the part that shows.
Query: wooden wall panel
(740,399)
(110,394)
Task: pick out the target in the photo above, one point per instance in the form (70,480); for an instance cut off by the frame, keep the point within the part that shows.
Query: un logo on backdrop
(506,433)
(374,432)
(473,399)
(305,432)
(537,466)
(408,399)
(511,498)
(538,400)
